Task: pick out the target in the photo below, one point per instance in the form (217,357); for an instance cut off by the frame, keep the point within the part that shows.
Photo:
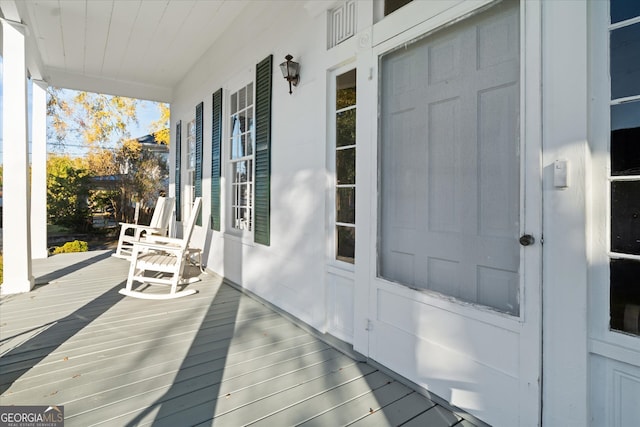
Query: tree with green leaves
(68,182)
(95,121)
(92,118)
(160,128)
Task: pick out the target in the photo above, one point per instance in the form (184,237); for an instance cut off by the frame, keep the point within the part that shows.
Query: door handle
(526,240)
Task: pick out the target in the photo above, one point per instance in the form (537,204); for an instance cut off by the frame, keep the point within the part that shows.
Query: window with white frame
(191,145)
(345,122)
(624,177)
(191,165)
(241,157)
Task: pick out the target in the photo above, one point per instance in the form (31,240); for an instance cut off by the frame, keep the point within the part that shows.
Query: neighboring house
(446,189)
(161,152)
(150,144)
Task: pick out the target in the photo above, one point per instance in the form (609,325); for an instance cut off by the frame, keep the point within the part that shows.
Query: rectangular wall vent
(342,23)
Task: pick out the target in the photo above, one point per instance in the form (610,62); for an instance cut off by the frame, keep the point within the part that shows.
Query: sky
(147,113)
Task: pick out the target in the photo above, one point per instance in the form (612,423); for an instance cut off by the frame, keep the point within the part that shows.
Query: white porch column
(16,244)
(39,170)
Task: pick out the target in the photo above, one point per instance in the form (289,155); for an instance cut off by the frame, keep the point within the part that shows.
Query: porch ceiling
(136,48)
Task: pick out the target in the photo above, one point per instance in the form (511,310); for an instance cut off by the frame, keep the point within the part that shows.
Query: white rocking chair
(159,225)
(165,259)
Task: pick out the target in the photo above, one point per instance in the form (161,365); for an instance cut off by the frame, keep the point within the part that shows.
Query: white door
(455,302)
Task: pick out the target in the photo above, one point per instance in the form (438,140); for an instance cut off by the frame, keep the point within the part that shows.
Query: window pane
(625,295)
(346,166)
(621,10)
(625,217)
(242,122)
(249,143)
(242,99)
(245,195)
(346,243)
(625,61)
(250,94)
(240,172)
(242,219)
(346,90)
(625,139)
(234,195)
(346,128)
(250,132)
(234,103)
(249,116)
(239,195)
(243,143)
(246,144)
(391,6)
(236,139)
(346,205)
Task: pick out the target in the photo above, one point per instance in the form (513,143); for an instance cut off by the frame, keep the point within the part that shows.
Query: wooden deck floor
(217,357)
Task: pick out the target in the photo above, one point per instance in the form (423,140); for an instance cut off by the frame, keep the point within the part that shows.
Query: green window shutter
(198,177)
(263,151)
(178,183)
(216,159)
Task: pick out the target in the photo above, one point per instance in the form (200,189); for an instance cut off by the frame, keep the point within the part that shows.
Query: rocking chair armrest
(138,226)
(157,247)
(164,240)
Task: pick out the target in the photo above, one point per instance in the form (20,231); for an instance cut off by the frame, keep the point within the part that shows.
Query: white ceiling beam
(68,80)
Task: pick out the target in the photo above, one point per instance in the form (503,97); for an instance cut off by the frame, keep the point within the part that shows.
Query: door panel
(470,338)
(450,164)
(447,304)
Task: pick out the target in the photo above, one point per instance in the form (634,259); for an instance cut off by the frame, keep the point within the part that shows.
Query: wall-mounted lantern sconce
(290,71)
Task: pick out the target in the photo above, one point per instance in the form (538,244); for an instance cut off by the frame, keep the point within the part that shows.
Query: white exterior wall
(287,271)
(292,272)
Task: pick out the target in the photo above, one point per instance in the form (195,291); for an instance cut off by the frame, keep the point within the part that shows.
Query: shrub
(75,246)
